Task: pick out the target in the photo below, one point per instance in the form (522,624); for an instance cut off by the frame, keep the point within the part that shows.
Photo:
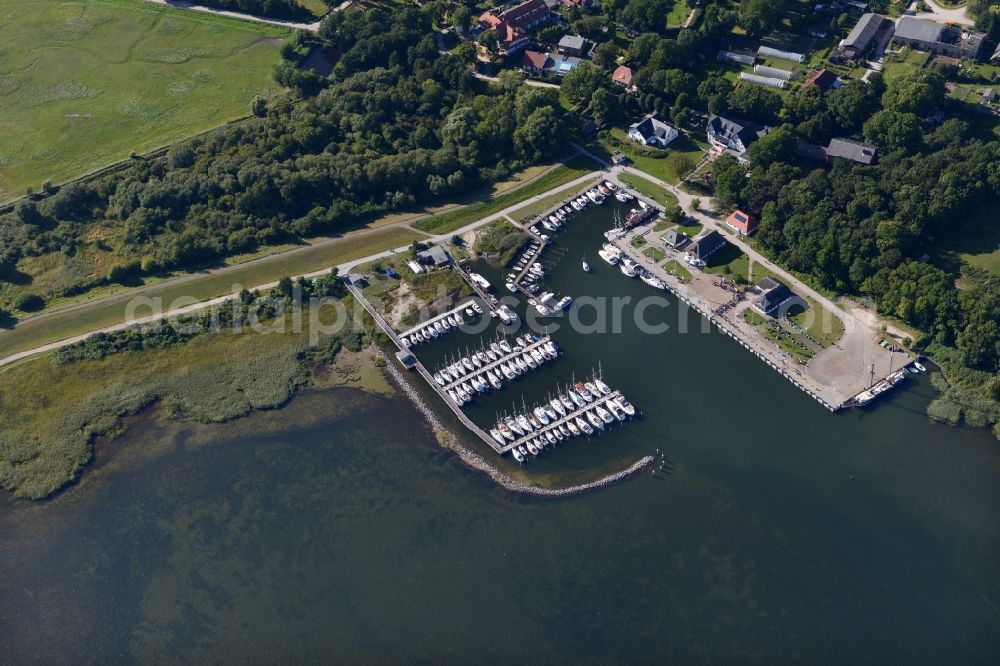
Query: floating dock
(495,365)
(570,415)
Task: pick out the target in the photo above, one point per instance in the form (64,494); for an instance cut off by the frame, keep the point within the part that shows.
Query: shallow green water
(334,528)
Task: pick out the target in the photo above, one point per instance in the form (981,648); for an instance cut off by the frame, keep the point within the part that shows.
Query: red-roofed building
(534,62)
(513,25)
(820,78)
(623,76)
(742,222)
(527,15)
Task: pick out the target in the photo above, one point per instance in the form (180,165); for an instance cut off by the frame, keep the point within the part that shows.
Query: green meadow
(83,83)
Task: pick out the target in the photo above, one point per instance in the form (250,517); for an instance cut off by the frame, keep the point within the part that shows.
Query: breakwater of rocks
(448,440)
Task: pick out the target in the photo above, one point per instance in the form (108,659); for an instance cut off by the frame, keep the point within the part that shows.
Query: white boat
(541,416)
(453,396)
(467,362)
(584,391)
(878,389)
(439,326)
(604,388)
(532,449)
(439,379)
(513,425)
(560,215)
(504,345)
(492,355)
(537,355)
(595,420)
(563,303)
(551,437)
(586,266)
(475,361)
(576,205)
(550,412)
(507,372)
(919,366)
(625,405)
(525,424)
(604,414)
(517,455)
(573,429)
(475,306)
(611,186)
(608,257)
(521,364)
(621,197)
(494,380)
(507,316)
(523,451)
(615,410)
(480,280)
(558,434)
(511,287)
(594,391)
(497,437)
(469,312)
(627,270)
(584,426)
(653,281)
(577,399)
(566,402)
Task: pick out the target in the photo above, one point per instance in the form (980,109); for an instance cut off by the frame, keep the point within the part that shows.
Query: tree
(541,134)
(852,104)
(756,102)
(583,81)
(759,16)
(918,91)
(646,15)
(696,203)
(461,17)
(778,145)
(606,55)
(605,106)
(893,130)
(258,106)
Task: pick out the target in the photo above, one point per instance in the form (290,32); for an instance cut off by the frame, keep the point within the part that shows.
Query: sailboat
(586,266)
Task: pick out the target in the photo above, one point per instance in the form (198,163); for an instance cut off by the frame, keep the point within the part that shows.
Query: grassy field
(777,335)
(64,324)
(655,253)
(822,326)
(85,82)
(676,268)
(730,261)
(678,13)
(669,164)
(649,190)
(450,221)
(532,210)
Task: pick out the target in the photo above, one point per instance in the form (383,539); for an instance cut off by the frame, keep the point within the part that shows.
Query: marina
(441,324)
(498,360)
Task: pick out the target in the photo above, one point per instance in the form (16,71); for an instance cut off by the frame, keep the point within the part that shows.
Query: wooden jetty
(495,365)
(430,322)
(570,415)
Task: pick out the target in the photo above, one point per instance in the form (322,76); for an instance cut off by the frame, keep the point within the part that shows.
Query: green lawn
(59,325)
(676,268)
(85,82)
(821,325)
(669,164)
(447,222)
(678,13)
(730,261)
(536,208)
(649,190)
(655,253)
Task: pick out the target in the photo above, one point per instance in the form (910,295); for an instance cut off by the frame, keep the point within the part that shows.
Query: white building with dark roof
(653,130)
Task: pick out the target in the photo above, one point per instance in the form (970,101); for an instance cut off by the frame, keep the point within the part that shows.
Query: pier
(430,322)
(495,365)
(571,415)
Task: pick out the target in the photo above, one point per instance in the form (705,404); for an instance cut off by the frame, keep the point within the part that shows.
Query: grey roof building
(732,134)
(653,130)
(435,255)
(574,45)
(866,30)
(773,294)
(947,40)
(707,245)
(856,151)
(675,238)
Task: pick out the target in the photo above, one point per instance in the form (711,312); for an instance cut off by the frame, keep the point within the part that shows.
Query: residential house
(868,30)
(732,135)
(546,63)
(848,149)
(623,76)
(675,238)
(653,130)
(573,45)
(534,62)
(706,246)
(947,40)
(773,295)
(822,79)
(434,256)
(742,222)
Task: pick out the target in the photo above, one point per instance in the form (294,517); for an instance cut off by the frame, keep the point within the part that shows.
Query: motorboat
(608,257)
(576,205)
(625,405)
(469,312)
(538,356)
(475,306)
(604,414)
(561,216)
(563,303)
(919,366)
(627,270)
(551,346)
(611,186)
(621,196)
(511,287)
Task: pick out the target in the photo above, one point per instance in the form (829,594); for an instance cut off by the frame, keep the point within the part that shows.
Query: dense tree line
(397,124)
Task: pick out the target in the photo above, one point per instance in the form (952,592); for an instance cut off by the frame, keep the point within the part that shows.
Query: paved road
(342,268)
(183,4)
(943,14)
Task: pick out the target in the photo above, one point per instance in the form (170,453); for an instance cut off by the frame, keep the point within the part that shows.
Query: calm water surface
(335,528)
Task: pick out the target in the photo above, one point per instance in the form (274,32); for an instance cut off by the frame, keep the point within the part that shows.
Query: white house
(653,130)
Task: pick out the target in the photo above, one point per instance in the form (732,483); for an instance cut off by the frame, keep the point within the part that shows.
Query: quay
(495,365)
(580,411)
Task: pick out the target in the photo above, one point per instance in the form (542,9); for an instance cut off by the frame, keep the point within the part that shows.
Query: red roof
(623,75)
(534,59)
(821,78)
(526,13)
(741,221)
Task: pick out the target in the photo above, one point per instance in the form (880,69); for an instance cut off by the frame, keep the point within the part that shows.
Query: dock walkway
(562,419)
(495,365)
(430,322)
